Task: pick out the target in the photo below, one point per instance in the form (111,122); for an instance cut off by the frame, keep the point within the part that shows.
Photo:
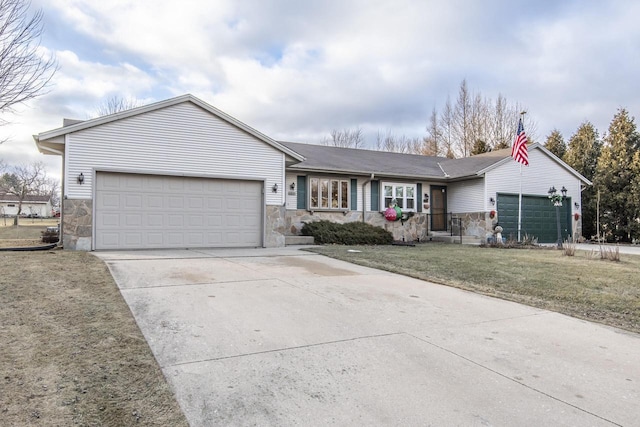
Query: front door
(438,208)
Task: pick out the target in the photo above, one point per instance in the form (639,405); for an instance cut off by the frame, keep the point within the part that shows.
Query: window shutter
(418,200)
(302,192)
(354,194)
(375,195)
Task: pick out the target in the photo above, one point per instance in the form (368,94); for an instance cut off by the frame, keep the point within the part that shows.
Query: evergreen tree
(555,143)
(480,147)
(582,155)
(616,176)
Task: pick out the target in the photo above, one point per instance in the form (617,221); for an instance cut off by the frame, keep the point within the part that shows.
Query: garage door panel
(132,183)
(109,220)
(155,201)
(194,202)
(155,220)
(538,217)
(132,220)
(132,201)
(155,238)
(143,211)
(175,220)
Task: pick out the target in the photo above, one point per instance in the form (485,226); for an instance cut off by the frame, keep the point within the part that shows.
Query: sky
(295,70)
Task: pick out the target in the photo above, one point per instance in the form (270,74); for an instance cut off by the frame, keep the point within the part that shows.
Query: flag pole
(522,113)
(520,205)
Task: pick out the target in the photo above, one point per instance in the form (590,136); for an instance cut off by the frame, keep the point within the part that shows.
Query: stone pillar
(275,227)
(77,224)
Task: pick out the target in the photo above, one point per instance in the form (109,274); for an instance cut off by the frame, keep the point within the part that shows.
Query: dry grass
(27,233)
(580,286)
(70,350)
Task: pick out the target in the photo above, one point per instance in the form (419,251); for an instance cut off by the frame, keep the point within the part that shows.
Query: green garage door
(538,217)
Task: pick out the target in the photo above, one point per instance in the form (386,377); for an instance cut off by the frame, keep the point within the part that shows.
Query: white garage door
(149,211)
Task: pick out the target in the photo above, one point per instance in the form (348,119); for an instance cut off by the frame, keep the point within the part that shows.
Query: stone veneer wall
(478,224)
(414,229)
(77,223)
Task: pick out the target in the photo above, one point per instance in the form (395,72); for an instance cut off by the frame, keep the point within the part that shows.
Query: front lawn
(591,289)
(71,352)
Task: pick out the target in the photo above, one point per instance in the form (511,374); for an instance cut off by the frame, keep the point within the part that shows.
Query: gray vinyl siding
(182,139)
(542,173)
(465,196)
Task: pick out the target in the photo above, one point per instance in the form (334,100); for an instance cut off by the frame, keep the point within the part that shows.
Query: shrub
(351,233)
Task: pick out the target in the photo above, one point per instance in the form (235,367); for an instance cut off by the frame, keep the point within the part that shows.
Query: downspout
(364,200)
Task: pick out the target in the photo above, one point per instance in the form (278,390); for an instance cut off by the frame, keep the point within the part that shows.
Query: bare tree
(24,71)
(446,123)
(502,124)
(399,143)
(481,119)
(433,141)
(51,188)
(462,121)
(22,181)
(115,104)
(346,138)
(476,123)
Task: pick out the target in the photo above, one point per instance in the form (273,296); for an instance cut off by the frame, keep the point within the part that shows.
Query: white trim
(394,185)
(329,178)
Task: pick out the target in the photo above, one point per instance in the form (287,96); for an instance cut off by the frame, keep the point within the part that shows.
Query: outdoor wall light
(563,191)
(292,186)
(80,178)
(577,205)
(275,188)
(492,201)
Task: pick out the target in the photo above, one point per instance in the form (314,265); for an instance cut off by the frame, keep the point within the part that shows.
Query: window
(404,195)
(326,193)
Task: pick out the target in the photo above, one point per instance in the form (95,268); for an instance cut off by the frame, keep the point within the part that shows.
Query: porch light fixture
(577,205)
(275,188)
(492,201)
(80,178)
(292,186)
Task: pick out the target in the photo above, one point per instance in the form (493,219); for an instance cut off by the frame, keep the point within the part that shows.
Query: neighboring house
(181,173)
(31,205)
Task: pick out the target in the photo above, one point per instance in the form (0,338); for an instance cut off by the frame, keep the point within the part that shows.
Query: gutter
(364,200)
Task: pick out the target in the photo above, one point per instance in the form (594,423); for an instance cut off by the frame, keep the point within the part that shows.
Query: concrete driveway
(284,337)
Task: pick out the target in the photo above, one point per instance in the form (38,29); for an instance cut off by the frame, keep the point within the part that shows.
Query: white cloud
(295,70)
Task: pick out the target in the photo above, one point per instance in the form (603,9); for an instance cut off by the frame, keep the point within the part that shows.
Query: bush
(351,233)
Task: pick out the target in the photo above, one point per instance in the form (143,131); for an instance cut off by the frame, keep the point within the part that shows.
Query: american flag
(519,147)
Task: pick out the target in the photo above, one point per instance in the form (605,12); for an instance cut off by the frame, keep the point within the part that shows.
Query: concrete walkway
(282,337)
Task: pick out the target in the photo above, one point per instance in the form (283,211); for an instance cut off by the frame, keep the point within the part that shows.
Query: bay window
(328,193)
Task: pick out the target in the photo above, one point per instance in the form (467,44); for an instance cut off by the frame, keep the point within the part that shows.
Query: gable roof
(52,142)
(481,163)
(322,158)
